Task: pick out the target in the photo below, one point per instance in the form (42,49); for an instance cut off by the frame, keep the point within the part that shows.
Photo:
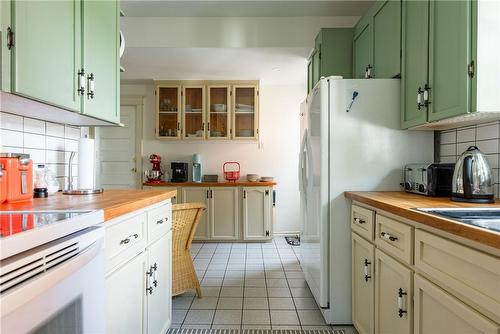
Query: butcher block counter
(210,184)
(402,204)
(114,203)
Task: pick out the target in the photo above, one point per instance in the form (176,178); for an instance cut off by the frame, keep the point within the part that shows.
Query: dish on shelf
(252,177)
(216,134)
(219,107)
(193,135)
(245,133)
(188,107)
(267,179)
(196,110)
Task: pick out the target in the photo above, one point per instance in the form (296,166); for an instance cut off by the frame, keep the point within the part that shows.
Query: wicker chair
(185,220)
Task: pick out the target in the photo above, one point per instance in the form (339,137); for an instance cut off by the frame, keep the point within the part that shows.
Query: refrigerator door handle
(302,163)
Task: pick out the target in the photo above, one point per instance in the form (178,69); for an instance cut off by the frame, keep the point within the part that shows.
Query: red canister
(3,184)
(19,176)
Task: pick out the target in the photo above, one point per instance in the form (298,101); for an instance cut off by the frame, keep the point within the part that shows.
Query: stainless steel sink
(488,218)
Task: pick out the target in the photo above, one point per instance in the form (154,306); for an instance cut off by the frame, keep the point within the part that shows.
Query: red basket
(231,175)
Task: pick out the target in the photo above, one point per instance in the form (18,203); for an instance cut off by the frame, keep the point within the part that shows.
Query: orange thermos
(19,177)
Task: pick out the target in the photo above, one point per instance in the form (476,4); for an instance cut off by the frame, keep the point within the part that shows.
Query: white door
(117,163)
(200,195)
(256,213)
(159,280)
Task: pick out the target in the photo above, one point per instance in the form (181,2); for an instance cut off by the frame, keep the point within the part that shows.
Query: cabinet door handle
(128,239)
(359,221)
(208,126)
(401,302)
(81,82)
(244,194)
(159,221)
(149,275)
(203,126)
(155,275)
(388,236)
(369,71)
(366,271)
(420,98)
(90,86)
(426,95)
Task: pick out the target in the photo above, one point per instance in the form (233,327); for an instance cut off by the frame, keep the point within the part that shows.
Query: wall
(485,136)
(276,153)
(46,143)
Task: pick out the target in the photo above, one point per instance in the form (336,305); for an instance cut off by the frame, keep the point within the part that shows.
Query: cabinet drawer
(362,221)
(471,275)
(125,235)
(395,238)
(159,221)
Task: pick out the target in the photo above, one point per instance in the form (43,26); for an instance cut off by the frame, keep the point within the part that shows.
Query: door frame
(136,101)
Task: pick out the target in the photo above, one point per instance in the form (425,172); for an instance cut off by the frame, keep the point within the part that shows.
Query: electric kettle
(472,178)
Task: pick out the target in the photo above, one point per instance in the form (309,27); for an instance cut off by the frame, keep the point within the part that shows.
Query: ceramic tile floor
(248,286)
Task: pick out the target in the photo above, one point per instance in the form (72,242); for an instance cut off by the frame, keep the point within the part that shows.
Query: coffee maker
(179,171)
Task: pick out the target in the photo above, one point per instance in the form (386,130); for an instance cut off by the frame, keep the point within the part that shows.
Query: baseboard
(286,234)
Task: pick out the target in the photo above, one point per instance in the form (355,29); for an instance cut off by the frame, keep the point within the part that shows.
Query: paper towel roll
(86,163)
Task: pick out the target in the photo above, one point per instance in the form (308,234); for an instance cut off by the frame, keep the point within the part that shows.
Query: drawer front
(469,274)
(159,221)
(395,238)
(362,221)
(125,234)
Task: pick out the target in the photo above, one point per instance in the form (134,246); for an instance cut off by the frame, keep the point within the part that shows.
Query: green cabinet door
(386,26)
(449,56)
(4,51)
(336,52)
(315,67)
(46,55)
(414,62)
(362,47)
(101,58)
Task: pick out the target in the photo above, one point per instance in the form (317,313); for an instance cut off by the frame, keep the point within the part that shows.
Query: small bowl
(267,179)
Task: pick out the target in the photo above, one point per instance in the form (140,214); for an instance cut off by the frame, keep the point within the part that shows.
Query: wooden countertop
(115,203)
(211,184)
(402,204)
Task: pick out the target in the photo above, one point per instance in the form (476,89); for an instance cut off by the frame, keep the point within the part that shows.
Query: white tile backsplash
(485,136)
(46,143)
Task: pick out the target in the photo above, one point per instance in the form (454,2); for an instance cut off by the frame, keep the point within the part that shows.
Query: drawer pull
(127,239)
(401,302)
(359,221)
(365,269)
(387,236)
(160,221)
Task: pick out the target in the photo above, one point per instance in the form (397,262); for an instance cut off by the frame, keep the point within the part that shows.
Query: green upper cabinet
(377,41)
(386,28)
(332,55)
(4,51)
(414,62)
(362,50)
(449,56)
(101,59)
(46,54)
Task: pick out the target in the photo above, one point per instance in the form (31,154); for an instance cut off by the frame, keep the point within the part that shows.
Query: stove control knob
(421,188)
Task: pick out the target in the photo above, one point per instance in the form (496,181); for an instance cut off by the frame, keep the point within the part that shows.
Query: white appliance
(52,285)
(351,140)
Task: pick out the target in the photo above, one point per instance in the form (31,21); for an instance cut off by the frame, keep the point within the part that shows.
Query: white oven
(56,287)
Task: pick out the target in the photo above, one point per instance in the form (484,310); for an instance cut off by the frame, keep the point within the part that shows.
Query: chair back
(185,219)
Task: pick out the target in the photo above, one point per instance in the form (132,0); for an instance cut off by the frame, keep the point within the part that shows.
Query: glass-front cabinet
(193,105)
(169,115)
(245,108)
(207,110)
(218,112)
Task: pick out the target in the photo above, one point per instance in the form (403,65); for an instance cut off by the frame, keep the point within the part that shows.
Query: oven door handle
(41,283)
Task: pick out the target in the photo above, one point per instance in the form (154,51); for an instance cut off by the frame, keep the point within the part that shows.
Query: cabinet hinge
(470,69)
(267,233)
(10,38)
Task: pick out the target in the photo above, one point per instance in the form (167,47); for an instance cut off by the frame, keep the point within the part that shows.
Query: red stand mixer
(155,174)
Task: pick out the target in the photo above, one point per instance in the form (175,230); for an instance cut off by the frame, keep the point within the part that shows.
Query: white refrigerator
(348,143)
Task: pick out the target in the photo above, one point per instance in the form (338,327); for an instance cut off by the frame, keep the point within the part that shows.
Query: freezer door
(314,241)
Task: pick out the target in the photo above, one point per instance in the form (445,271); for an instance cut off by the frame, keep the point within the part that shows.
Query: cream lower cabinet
(138,271)
(125,287)
(202,195)
(224,213)
(257,215)
(438,312)
(176,199)
(363,293)
(393,295)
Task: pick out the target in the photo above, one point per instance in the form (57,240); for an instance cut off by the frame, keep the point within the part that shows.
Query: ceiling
(271,66)
(243,8)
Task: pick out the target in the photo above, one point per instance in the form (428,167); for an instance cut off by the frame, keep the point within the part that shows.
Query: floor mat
(253,331)
(294,241)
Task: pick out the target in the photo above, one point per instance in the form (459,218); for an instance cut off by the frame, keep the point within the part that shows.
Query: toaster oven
(429,179)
